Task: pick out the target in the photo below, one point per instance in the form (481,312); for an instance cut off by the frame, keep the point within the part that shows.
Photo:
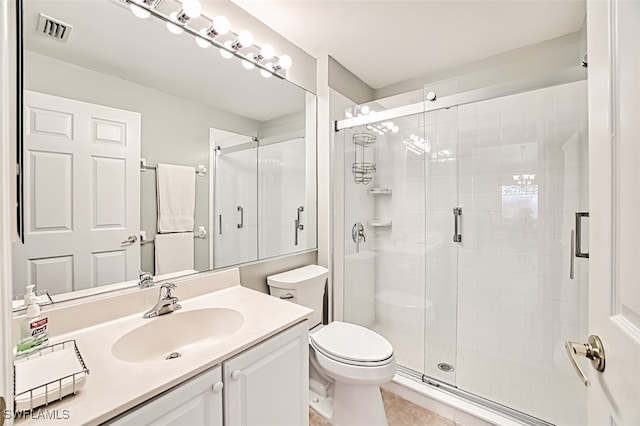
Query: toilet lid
(352,342)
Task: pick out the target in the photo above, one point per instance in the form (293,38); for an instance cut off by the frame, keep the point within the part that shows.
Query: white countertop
(114,386)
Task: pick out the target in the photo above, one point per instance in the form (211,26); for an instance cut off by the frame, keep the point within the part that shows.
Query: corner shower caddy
(364,165)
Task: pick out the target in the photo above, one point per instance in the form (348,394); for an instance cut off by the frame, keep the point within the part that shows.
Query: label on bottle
(38,327)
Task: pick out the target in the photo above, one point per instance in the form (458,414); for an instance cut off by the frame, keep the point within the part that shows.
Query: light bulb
(267,52)
(265,73)
(192,8)
(348,114)
(225,53)
(139,11)
(247,64)
(365,109)
(395,129)
(203,42)
(245,38)
(285,62)
(221,24)
(173,28)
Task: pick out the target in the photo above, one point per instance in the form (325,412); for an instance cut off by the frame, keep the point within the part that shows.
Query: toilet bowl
(348,362)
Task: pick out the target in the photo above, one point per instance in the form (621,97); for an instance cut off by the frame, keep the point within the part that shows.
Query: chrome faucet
(167,303)
(145,280)
(358,235)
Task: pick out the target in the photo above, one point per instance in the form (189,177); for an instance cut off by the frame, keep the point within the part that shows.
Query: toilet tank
(304,286)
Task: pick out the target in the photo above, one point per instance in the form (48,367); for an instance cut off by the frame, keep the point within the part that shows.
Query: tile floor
(400,412)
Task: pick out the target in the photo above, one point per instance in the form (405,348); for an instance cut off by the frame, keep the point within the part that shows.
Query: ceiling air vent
(53,28)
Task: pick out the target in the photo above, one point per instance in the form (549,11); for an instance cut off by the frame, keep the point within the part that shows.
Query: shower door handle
(295,231)
(457,212)
(579,217)
(241,210)
(220,224)
(297,225)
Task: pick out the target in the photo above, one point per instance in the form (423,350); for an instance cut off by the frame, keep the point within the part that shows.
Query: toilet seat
(352,344)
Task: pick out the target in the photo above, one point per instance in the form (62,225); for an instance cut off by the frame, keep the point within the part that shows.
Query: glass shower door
(522,177)
(445,217)
(282,209)
(236,206)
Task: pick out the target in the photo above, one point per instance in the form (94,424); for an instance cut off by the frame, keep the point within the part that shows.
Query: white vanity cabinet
(268,385)
(195,402)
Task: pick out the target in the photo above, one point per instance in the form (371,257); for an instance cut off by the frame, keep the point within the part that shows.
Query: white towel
(174,252)
(176,198)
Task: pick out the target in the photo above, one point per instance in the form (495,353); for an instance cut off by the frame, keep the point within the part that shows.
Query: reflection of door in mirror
(81,188)
(282,197)
(236,195)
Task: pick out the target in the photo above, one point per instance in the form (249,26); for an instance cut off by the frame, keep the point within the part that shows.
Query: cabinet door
(269,384)
(196,402)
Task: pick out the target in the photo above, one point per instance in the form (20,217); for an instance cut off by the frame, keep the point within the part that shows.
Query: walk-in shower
(466,260)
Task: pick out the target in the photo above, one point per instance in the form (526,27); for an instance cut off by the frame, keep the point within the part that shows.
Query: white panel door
(268,385)
(81,199)
(614,130)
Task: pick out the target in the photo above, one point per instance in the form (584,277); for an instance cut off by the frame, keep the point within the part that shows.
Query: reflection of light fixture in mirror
(219,26)
(226,53)
(181,21)
(245,39)
(247,64)
(284,63)
(173,28)
(190,9)
(140,11)
(266,52)
(265,73)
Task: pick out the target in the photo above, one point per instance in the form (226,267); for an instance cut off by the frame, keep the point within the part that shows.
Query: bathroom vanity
(223,352)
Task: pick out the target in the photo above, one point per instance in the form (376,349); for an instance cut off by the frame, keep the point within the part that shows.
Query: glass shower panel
(384,272)
(522,176)
(236,206)
(441,242)
(282,198)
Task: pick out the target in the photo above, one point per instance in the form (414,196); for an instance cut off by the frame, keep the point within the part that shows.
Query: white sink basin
(178,332)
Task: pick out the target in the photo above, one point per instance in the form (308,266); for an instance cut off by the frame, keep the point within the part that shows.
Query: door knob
(132,239)
(236,375)
(592,350)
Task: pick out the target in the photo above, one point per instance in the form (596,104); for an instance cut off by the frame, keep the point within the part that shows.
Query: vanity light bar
(267,70)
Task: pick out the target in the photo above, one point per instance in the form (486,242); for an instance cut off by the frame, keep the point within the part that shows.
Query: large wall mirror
(144,152)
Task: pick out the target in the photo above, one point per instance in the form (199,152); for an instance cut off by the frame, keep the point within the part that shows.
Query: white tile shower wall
(359,278)
(400,266)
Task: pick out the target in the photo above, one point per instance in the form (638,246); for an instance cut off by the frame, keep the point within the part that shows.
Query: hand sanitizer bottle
(33,330)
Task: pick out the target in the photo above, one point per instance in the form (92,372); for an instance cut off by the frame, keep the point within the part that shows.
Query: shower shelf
(380,191)
(379,223)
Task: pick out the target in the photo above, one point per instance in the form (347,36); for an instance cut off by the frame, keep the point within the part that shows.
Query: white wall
(545,60)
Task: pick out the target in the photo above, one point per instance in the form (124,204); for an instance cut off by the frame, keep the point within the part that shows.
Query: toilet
(348,362)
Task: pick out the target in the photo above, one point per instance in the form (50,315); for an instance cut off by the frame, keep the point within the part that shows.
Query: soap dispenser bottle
(33,330)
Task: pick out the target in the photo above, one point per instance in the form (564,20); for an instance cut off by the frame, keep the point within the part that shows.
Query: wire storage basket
(364,166)
(47,375)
